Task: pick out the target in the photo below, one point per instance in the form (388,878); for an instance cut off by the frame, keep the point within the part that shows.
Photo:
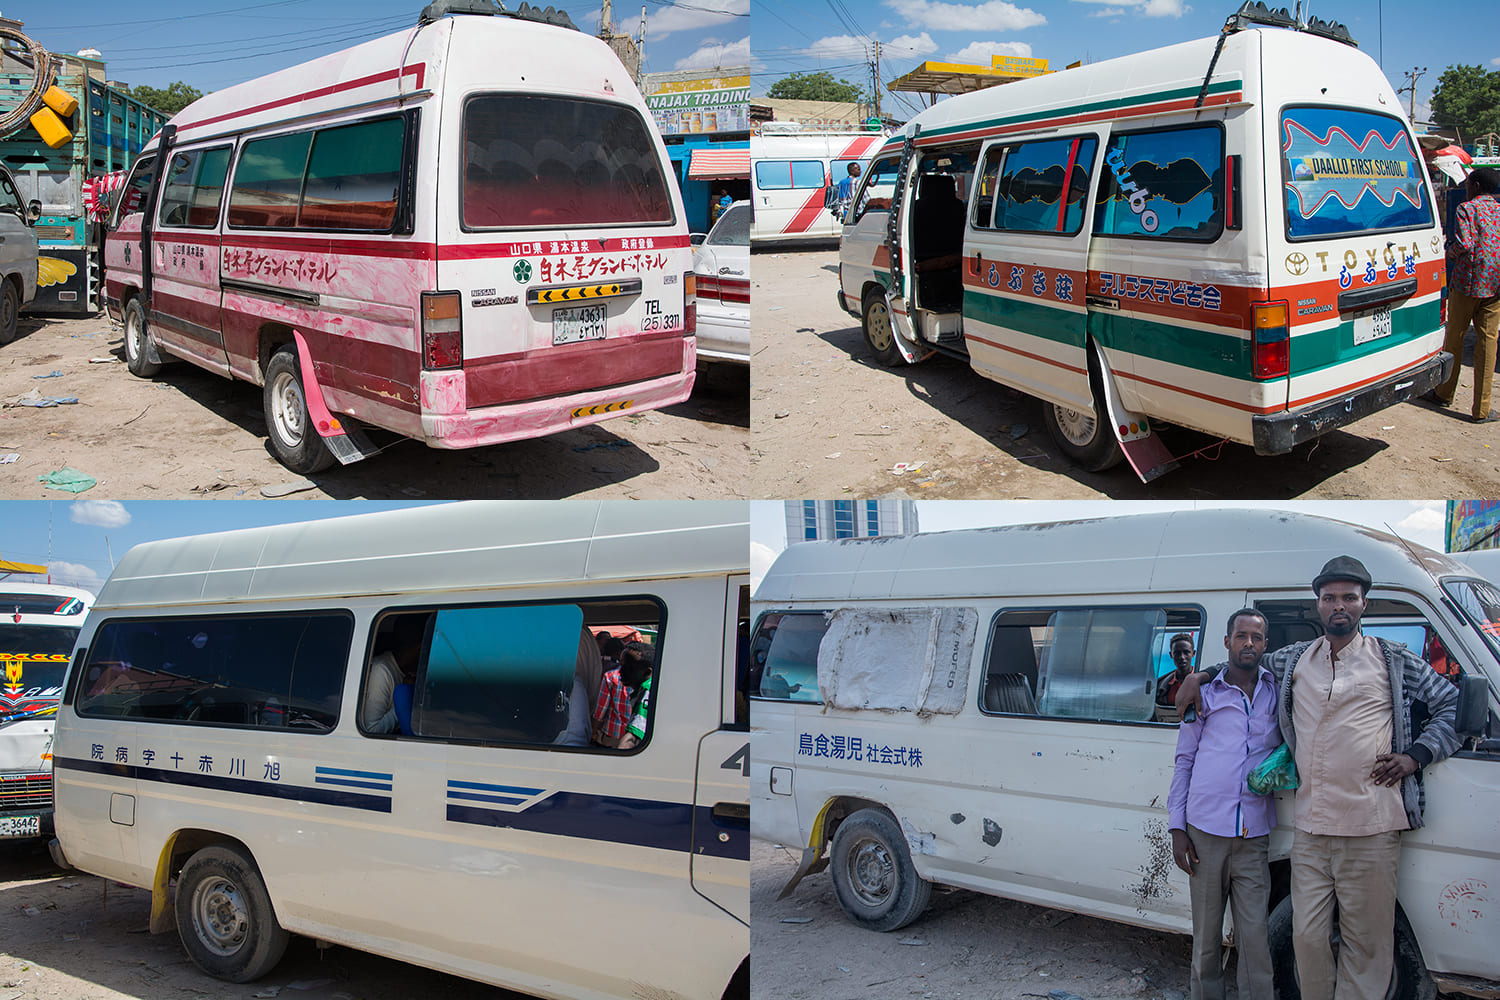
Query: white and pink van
(463,233)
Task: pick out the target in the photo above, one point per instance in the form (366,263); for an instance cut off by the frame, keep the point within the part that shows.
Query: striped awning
(719,164)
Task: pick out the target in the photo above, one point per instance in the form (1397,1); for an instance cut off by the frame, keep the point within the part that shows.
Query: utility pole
(606,21)
(1411,86)
(643,38)
(875,90)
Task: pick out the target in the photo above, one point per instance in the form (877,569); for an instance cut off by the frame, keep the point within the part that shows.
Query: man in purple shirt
(1220,829)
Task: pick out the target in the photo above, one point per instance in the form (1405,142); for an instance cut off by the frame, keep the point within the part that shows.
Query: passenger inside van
(390,685)
(588,677)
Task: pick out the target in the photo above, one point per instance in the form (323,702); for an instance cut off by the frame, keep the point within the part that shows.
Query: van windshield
(1480,601)
(1347,172)
(35,656)
(533,162)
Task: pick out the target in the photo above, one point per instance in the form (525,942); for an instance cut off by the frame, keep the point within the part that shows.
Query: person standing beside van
(1348,709)
(1474,290)
(1220,829)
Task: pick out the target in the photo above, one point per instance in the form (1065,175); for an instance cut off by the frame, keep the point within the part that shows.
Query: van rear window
(533,162)
(1348,172)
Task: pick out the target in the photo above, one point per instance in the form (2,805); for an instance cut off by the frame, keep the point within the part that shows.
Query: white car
(722,266)
(18,260)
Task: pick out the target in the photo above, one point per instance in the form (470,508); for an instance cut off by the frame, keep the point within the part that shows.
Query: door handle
(735,815)
(1103,302)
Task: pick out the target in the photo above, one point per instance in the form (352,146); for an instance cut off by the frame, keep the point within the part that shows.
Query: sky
(1418,521)
(75,539)
(807,35)
(216,44)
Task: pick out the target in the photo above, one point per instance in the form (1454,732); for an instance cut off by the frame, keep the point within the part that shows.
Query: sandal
(1489,418)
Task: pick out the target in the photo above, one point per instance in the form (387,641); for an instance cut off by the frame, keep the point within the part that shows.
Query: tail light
(689,304)
(442,330)
(1270,348)
(708,287)
(1443,313)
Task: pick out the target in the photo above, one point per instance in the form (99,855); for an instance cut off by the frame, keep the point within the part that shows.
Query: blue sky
(75,537)
(217,43)
(802,35)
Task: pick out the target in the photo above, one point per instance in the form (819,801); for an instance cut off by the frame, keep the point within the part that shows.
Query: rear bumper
(844,305)
(482,426)
(1279,433)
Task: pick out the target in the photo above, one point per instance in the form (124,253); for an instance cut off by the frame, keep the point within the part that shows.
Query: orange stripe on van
(1111,114)
(1318,301)
(418,70)
(808,213)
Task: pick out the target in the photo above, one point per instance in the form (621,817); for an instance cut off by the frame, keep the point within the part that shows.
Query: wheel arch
(835,811)
(271,338)
(180,846)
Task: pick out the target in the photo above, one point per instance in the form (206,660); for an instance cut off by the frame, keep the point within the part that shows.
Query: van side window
(268,181)
(784,656)
(783,175)
(578,674)
(880,184)
(193,188)
(1080,663)
(281,671)
(1166,184)
(1038,187)
(534,161)
(132,197)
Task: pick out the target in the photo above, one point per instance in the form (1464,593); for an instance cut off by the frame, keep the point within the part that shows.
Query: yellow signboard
(1018,65)
(702,83)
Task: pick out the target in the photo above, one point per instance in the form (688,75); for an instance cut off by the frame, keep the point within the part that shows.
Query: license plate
(1372,324)
(578,323)
(20,826)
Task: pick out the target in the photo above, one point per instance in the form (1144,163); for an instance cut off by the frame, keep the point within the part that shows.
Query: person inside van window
(635,670)
(1182,660)
(389,688)
(612,707)
(588,677)
(1220,829)
(1354,699)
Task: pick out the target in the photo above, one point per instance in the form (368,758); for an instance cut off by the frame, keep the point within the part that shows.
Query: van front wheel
(294,441)
(873,876)
(224,916)
(1083,436)
(1409,980)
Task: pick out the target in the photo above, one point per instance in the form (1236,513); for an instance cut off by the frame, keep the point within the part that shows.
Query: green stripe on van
(1315,351)
(1035,318)
(1111,104)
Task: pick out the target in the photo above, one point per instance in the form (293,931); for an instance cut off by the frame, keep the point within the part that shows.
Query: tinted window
(132,197)
(1349,171)
(267,671)
(542,162)
(353,177)
(732,229)
(784,656)
(193,188)
(1166,184)
(268,181)
(1036,187)
(35,656)
(40,604)
(879,185)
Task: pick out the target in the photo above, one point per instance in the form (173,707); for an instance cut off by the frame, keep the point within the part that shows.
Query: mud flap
(1143,449)
(348,444)
(811,864)
(903,333)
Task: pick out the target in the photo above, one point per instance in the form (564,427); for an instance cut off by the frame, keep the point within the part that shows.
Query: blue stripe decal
(512,789)
(244,786)
(475,796)
(373,775)
(382,786)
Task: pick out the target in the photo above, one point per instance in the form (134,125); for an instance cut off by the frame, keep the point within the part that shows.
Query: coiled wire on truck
(41,77)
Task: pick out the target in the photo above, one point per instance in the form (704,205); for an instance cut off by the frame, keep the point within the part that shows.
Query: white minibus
(375,731)
(793,173)
(978,709)
(1234,234)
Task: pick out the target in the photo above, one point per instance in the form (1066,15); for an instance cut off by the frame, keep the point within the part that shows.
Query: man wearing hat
(1346,711)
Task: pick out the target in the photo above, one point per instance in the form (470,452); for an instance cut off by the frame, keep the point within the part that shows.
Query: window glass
(1031,182)
(265,671)
(880,184)
(732,229)
(193,187)
(10,198)
(39,604)
(35,656)
(575,674)
(808,174)
(843,519)
(268,181)
(354,176)
(773,175)
(532,161)
(784,656)
(1081,663)
(1349,171)
(984,195)
(1167,184)
(132,197)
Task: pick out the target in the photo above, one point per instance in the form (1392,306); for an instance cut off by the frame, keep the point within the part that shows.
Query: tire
(1085,438)
(294,442)
(873,876)
(875,318)
(224,916)
(137,337)
(1410,981)
(10,311)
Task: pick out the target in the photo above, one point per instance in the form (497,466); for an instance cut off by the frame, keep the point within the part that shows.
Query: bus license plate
(20,826)
(578,323)
(1372,325)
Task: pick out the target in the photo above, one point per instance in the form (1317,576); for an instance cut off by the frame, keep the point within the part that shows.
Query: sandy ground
(189,433)
(66,937)
(828,420)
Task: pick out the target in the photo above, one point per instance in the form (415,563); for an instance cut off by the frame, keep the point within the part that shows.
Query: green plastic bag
(1277,773)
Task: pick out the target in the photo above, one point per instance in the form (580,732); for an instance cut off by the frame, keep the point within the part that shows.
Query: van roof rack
(1253,13)
(526,12)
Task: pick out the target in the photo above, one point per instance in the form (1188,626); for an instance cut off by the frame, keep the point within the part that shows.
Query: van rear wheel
(1084,436)
(1409,979)
(879,334)
(224,916)
(873,877)
(137,348)
(294,441)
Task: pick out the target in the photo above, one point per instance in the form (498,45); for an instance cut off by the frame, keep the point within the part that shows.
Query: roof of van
(1190,550)
(448,547)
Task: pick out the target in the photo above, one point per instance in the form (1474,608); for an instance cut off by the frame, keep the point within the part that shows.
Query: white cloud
(1495,61)
(912,46)
(1108,12)
(75,575)
(991,15)
(674,18)
(713,55)
(978,53)
(100,513)
(1165,8)
(761,558)
(842,47)
(1421,522)
(1146,8)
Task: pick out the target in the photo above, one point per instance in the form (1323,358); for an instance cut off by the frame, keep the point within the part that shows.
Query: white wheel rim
(133,346)
(287,409)
(879,326)
(1079,428)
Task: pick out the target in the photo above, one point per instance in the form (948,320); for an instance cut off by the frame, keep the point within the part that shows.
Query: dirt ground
(63,936)
(828,420)
(966,945)
(189,433)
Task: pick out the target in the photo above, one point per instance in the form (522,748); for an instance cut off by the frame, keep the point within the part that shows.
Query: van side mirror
(1473,707)
(33,211)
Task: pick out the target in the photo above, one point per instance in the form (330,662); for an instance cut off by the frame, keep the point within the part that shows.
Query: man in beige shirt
(1346,712)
